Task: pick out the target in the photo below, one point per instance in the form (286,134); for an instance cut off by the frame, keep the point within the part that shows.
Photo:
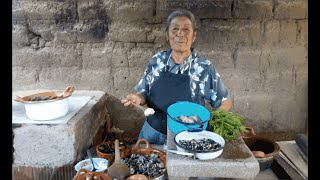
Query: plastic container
(185,108)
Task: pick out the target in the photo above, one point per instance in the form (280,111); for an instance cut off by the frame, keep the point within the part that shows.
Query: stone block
(253,108)
(97,80)
(135,74)
(302,38)
(221,59)
(202,9)
(59,77)
(220,34)
(271,32)
(91,31)
(65,37)
(24,77)
(291,9)
(119,57)
(128,32)
(96,58)
(65,57)
(288,33)
(50,10)
(130,11)
(66,143)
(35,59)
(20,36)
(252,9)
(18,15)
(248,60)
(120,78)
(42,28)
(287,58)
(140,57)
(91,10)
(157,35)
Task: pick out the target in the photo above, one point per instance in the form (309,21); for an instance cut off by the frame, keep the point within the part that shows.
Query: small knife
(181,153)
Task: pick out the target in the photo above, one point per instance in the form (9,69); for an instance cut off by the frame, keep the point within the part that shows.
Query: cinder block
(135,74)
(140,57)
(119,56)
(288,9)
(91,31)
(97,80)
(157,35)
(30,58)
(24,77)
(130,11)
(65,56)
(288,33)
(120,78)
(128,32)
(302,38)
(271,32)
(200,8)
(20,36)
(50,10)
(91,10)
(18,15)
(221,59)
(65,37)
(66,143)
(252,9)
(96,58)
(220,34)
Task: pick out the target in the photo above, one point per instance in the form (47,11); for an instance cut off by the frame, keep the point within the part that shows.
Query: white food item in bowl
(186,135)
(100,164)
(149,111)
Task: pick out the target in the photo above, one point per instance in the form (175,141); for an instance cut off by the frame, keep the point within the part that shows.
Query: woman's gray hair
(184,13)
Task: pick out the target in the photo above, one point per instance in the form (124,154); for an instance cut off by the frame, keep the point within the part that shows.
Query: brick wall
(259,48)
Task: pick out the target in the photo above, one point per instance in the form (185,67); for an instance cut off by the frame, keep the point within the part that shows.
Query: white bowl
(201,155)
(99,163)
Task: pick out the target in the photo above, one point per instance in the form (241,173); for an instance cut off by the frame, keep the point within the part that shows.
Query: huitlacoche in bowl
(205,145)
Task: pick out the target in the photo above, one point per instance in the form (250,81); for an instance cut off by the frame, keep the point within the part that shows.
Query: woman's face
(181,34)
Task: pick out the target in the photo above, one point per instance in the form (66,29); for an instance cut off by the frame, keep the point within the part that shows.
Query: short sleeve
(143,85)
(217,92)
(149,74)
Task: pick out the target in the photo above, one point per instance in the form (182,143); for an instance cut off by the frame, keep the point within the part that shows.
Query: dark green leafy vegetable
(226,124)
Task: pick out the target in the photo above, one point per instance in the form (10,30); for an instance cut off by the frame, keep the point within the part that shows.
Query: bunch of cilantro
(226,124)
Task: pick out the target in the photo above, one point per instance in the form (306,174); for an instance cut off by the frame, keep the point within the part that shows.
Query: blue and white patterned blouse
(205,81)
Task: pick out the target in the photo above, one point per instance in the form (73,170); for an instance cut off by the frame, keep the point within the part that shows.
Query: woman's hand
(225,105)
(133,99)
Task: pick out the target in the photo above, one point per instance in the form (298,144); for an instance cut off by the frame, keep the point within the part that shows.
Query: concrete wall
(259,48)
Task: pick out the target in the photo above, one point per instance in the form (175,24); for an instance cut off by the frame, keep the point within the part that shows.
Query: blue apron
(168,89)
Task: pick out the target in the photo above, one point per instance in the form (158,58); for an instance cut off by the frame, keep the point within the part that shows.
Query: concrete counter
(42,147)
(236,161)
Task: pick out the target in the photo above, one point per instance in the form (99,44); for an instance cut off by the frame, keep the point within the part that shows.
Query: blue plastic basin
(185,108)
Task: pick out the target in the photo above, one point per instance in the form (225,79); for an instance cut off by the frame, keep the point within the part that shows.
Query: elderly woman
(177,74)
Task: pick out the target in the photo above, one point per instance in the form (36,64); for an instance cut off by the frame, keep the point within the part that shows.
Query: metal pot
(147,150)
(46,105)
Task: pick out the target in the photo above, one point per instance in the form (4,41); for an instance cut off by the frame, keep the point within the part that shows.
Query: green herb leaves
(226,124)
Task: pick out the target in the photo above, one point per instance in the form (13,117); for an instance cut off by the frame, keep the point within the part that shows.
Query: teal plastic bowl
(186,108)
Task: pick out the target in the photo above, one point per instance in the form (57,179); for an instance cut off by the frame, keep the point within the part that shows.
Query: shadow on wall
(128,119)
